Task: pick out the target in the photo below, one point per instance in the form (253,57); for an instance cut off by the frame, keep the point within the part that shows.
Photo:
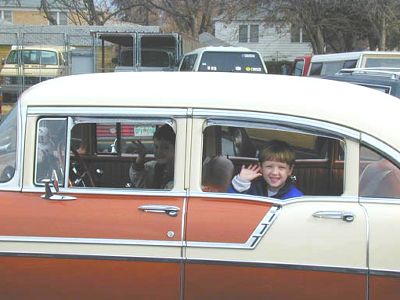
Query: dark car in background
(385,80)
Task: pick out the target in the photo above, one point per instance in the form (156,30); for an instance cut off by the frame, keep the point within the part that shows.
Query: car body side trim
(385,273)
(322,268)
(92,256)
(66,240)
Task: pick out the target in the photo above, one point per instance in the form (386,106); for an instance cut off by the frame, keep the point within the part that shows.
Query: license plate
(144,130)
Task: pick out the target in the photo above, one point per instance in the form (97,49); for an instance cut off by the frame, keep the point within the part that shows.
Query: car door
(380,195)
(90,242)
(250,247)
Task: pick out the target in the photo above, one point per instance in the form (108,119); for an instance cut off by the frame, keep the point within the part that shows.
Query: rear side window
(379,177)
(316,69)
(242,62)
(8,145)
(298,68)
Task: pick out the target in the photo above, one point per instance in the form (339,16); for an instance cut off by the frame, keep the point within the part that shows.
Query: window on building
(254,32)
(248,33)
(6,15)
(60,17)
(243,33)
(298,35)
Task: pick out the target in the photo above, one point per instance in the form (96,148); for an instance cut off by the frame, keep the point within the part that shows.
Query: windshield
(242,62)
(8,145)
(33,57)
(383,62)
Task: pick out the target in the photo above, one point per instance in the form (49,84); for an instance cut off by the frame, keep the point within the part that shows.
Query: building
(275,43)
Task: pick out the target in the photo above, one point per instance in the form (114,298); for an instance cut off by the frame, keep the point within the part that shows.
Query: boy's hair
(217,171)
(278,151)
(166,133)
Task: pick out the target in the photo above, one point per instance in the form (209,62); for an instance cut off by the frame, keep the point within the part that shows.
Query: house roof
(20,3)
(62,34)
(210,40)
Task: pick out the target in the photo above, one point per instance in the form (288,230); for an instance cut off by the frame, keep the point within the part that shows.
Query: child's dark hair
(278,151)
(165,132)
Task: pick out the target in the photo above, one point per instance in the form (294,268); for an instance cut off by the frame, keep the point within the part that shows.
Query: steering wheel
(81,172)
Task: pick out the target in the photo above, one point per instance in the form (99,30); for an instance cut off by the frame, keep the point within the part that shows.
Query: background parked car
(385,80)
(223,59)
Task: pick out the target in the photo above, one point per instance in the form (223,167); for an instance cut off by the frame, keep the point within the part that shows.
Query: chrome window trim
(306,198)
(391,201)
(112,112)
(252,241)
(308,125)
(381,147)
(90,241)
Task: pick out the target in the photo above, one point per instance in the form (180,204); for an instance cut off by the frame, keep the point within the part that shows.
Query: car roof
(352,55)
(220,49)
(340,103)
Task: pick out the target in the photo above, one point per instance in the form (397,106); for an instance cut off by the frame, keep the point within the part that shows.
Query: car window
(243,62)
(188,62)
(319,159)
(379,177)
(298,68)
(8,145)
(382,62)
(315,69)
(135,154)
(51,136)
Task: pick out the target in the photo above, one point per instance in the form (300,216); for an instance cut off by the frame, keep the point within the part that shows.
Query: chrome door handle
(156,208)
(340,215)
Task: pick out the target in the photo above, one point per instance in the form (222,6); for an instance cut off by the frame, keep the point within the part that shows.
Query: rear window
(33,57)
(242,62)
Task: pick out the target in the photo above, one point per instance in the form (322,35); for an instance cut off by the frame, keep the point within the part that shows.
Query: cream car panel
(384,244)
(313,241)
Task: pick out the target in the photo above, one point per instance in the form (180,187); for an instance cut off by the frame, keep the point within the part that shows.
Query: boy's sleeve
(240,185)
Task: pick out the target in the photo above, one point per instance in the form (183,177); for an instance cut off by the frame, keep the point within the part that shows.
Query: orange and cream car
(73,226)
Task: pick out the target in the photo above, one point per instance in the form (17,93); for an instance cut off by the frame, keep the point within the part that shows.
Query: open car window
(319,165)
(122,154)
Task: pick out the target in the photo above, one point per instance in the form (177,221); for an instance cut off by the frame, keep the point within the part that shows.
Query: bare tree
(189,16)
(90,12)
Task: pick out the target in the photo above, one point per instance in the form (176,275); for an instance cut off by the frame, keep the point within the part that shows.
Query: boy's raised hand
(250,173)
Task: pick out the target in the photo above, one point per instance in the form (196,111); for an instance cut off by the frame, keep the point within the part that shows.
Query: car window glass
(298,68)
(319,159)
(8,145)
(50,150)
(243,62)
(379,177)
(315,69)
(119,154)
(188,62)
(382,62)
(350,64)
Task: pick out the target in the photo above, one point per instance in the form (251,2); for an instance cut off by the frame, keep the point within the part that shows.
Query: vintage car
(73,226)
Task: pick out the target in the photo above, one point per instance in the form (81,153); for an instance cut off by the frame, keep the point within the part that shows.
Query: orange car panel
(384,287)
(89,216)
(244,282)
(210,220)
(63,278)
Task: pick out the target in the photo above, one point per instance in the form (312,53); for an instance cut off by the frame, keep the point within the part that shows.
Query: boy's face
(164,151)
(275,173)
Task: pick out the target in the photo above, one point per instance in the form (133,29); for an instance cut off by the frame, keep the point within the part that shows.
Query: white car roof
(345,104)
(353,55)
(220,49)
